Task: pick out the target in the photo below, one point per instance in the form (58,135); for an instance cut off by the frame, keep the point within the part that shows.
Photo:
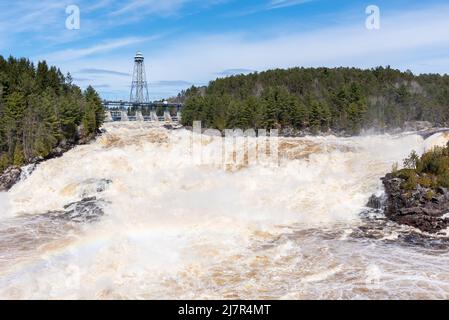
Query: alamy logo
(236,149)
(73,21)
(373,19)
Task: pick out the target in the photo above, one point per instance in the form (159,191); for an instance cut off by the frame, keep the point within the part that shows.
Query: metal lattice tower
(139,86)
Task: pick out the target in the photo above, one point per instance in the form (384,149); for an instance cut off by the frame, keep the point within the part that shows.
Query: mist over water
(4,205)
(173,229)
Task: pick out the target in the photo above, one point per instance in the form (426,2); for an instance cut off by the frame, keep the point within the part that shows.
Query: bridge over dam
(141,111)
(139,107)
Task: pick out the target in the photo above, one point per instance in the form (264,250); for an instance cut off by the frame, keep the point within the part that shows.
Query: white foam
(168,219)
(4,205)
(437,140)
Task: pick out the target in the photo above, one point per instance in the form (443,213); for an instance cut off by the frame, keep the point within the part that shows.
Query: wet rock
(103,184)
(94,186)
(410,211)
(376,226)
(173,126)
(422,208)
(27,171)
(89,209)
(375,202)
(290,132)
(10,177)
(86,210)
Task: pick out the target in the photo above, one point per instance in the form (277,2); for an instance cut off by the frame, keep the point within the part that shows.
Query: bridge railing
(130,111)
(133,105)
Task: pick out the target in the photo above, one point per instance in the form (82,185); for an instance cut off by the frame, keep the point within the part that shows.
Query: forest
(40,109)
(340,100)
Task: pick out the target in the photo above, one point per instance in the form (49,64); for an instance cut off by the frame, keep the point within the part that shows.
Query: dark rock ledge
(423,208)
(9,178)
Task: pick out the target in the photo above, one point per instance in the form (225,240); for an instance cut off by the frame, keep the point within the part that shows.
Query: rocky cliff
(423,208)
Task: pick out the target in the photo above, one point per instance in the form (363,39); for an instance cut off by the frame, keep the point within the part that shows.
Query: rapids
(165,227)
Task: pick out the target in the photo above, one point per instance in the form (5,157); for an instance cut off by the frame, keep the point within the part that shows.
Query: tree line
(344,100)
(41,109)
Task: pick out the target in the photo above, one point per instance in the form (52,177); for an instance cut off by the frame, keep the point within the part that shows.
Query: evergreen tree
(39,109)
(341,99)
(4,162)
(300,115)
(18,157)
(269,110)
(94,102)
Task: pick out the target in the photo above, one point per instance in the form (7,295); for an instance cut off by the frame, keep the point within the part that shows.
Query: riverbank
(14,174)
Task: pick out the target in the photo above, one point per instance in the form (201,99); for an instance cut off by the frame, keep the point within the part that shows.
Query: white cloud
(270,5)
(144,7)
(98,5)
(416,40)
(24,21)
(135,10)
(231,72)
(20,17)
(276,4)
(402,38)
(95,71)
(29,16)
(75,54)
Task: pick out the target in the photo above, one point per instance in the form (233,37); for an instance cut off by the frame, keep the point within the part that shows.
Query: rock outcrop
(10,177)
(423,208)
(85,210)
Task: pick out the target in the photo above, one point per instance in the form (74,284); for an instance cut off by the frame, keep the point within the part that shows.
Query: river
(163,227)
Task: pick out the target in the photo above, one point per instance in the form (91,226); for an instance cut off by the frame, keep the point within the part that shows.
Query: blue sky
(189,42)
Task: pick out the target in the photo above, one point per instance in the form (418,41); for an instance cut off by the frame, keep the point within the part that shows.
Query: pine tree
(94,100)
(89,120)
(11,121)
(300,115)
(42,75)
(4,162)
(252,108)
(270,109)
(315,117)
(18,158)
(286,105)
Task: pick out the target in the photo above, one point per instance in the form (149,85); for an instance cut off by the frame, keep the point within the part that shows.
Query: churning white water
(175,229)
(4,205)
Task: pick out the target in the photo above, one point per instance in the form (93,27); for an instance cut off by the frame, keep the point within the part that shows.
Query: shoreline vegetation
(341,101)
(42,115)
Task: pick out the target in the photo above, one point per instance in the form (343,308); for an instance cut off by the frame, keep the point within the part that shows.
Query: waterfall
(171,228)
